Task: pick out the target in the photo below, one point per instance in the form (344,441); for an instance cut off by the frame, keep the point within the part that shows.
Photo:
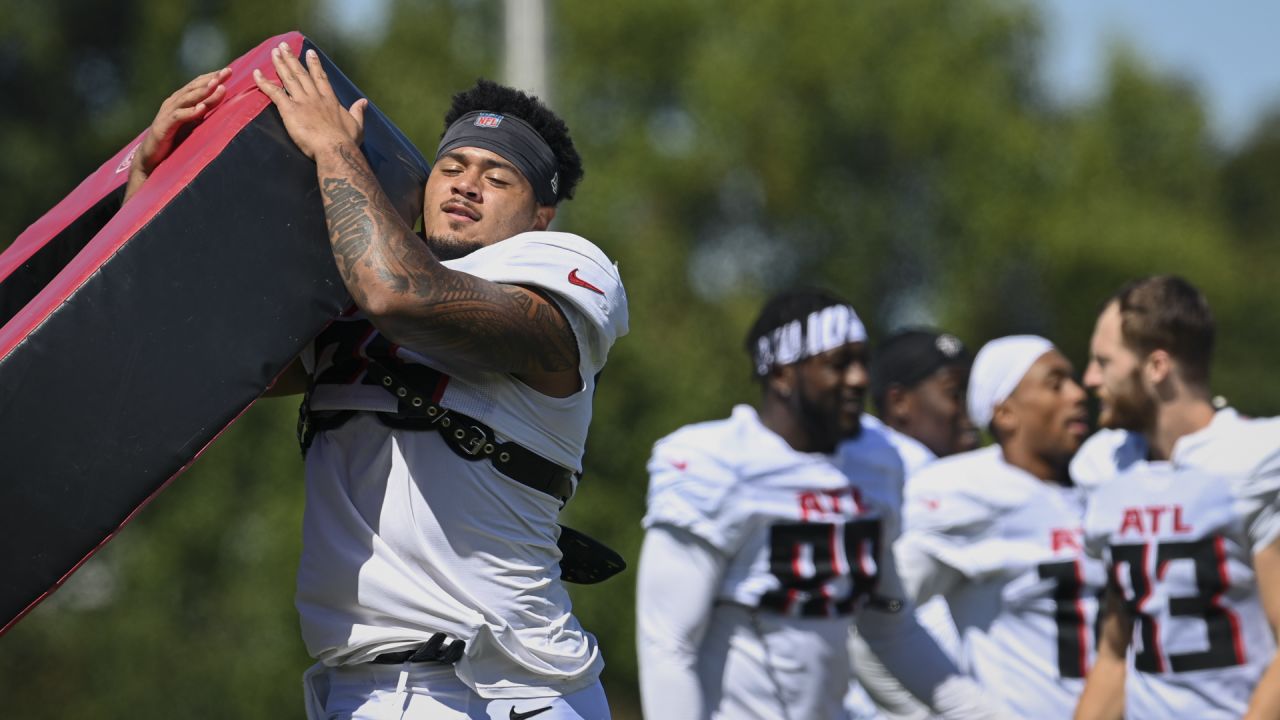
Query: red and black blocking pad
(131,337)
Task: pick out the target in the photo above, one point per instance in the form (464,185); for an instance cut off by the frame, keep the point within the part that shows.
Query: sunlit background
(989,167)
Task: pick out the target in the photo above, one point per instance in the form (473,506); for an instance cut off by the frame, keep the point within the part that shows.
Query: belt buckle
(473,447)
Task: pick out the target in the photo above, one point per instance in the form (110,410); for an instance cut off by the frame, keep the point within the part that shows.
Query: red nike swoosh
(575,280)
(680,464)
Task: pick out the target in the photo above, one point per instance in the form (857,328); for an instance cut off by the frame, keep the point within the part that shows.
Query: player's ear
(898,403)
(543,216)
(782,381)
(1157,367)
(1004,420)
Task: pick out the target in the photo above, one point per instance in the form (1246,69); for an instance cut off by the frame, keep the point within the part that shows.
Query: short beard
(1131,409)
(821,424)
(448,247)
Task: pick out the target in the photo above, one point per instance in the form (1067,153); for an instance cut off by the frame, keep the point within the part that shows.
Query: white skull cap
(997,369)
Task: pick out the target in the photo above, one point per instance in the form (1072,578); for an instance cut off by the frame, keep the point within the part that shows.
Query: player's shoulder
(1232,444)
(961,494)
(1106,454)
(569,267)
(1253,437)
(872,450)
(872,464)
(557,248)
(696,473)
(964,473)
(721,448)
(913,453)
(978,479)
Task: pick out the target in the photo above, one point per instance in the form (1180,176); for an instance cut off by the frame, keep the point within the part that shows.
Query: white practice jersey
(932,614)
(1179,538)
(914,454)
(1006,551)
(403,538)
(1104,455)
(803,537)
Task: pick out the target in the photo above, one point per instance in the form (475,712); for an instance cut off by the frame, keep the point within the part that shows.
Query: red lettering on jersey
(1132,521)
(828,502)
(1178,525)
(1155,511)
(809,504)
(1068,538)
(835,499)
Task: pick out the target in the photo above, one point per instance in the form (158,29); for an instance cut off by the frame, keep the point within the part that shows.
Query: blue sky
(1228,49)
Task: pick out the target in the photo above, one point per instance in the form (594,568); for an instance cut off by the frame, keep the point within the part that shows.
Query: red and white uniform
(1179,538)
(1005,549)
(873,684)
(756,559)
(403,539)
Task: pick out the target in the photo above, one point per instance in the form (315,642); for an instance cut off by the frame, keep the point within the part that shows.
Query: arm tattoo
(441,312)
(349,223)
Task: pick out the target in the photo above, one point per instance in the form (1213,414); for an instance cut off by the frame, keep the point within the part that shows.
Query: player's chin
(1072,441)
(1111,418)
(450,246)
(850,424)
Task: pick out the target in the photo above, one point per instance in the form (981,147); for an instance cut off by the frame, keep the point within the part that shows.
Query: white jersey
(1006,551)
(402,538)
(932,614)
(801,535)
(914,453)
(1104,455)
(1179,538)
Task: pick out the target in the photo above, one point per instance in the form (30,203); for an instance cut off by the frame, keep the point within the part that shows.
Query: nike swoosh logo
(575,280)
(522,715)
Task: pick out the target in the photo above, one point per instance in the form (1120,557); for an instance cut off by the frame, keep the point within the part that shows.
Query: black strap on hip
(433,650)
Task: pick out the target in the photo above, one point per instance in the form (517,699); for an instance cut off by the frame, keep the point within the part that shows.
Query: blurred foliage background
(904,153)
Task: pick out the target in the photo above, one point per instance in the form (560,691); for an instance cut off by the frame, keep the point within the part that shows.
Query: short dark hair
(489,96)
(1165,312)
(782,308)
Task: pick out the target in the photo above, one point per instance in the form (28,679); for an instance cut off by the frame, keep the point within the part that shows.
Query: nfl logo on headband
(488,120)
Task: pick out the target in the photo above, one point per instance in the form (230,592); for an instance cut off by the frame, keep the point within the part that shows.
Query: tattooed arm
(407,293)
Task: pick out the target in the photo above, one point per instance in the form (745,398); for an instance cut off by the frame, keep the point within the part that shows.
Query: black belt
(467,437)
(432,651)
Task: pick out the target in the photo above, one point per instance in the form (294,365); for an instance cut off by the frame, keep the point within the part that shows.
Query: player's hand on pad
(315,119)
(178,114)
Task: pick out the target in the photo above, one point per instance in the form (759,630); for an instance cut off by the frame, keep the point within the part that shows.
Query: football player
(997,533)
(769,531)
(1186,516)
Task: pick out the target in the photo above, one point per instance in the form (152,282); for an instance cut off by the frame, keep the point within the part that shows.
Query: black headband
(516,141)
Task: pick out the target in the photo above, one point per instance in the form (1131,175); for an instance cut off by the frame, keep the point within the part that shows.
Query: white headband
(823,330)
(998,368)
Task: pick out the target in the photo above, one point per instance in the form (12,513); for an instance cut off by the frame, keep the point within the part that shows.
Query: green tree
(902,153)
